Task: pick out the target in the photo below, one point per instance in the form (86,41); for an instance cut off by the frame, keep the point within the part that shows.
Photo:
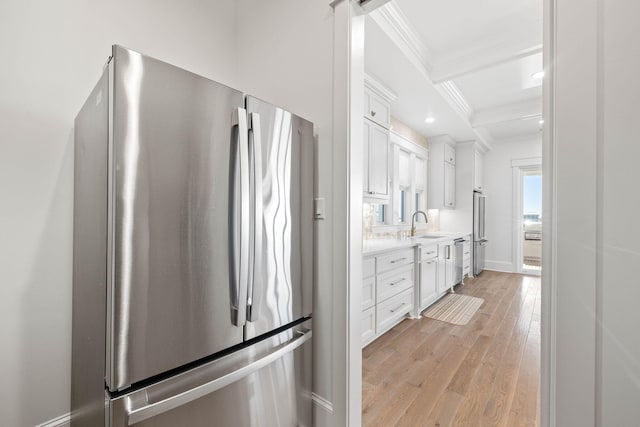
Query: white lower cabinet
(368,325)
(389,312)
(466,257)
(387,295)
(445,262)
(428,282)
(428,276)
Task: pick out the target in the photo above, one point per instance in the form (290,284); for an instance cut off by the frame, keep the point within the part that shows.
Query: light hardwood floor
(430,373)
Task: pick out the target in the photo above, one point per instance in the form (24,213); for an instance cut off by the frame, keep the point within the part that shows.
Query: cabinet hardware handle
(398,307)
(430,262)
(432,252)
(398,260)
(399,281)
(373,113)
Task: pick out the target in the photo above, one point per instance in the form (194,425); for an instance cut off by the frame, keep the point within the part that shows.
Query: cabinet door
(449,185)
(450,269)
(428,282)
(368,292)
(477,170)
(376,109)
(366,173)
(368,325)
(379,161)
(441,284)
(449,154)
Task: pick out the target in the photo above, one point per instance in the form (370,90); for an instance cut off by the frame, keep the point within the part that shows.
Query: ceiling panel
(515,129)
(417,97)
(452,25)
(503,84)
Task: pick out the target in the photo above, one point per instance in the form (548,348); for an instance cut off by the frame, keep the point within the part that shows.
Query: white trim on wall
(519,167)
(549,216)
(61,421)
(505,267)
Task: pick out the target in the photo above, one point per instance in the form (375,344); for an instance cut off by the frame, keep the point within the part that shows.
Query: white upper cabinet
(377,119)
(449,154)
(442,173)
(376,109)
(376,167)
(478,159)
(449,185)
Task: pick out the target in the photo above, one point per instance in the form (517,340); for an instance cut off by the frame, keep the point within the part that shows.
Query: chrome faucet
(413,221)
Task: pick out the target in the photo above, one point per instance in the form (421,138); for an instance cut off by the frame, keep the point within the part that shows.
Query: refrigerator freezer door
(177,174)
(280,289)
(267,384)
(478,259)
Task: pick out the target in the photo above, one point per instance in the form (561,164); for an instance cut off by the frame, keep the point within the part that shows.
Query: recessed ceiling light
(540,122)
(539,75)
(430,119)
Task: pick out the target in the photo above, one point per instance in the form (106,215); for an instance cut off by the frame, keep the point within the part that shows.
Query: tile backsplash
(371,230)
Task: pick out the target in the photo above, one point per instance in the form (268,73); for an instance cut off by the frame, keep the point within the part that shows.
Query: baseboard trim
(322,402)
(505,267)
(61,421)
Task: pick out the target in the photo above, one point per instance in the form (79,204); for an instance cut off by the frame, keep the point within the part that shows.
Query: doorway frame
(519,168)
(346,58)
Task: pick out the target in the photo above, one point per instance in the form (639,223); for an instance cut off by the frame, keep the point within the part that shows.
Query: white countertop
(377,246)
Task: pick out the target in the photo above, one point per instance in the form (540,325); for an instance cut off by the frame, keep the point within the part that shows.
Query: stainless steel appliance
(458,263)
(193,253)
(479,240)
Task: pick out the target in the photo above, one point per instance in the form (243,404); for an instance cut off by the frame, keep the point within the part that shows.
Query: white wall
(287,59)
(53,54)
(591,150)
(498,183)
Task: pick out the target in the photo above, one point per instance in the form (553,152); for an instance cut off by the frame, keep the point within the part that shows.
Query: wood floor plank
(499,402)
(445,410)
(430,373)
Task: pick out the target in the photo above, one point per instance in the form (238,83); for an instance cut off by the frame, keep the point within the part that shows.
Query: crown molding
(379,89)
(450,92)
(396,25)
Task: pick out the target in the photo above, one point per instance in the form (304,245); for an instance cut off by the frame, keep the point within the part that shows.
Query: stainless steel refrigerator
(193,254)
(479,238)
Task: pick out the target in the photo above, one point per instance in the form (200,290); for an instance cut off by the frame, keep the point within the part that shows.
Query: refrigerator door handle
(255,274)
(149,410)
(239,251)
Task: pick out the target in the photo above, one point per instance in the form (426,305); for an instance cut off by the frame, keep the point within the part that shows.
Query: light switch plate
(318,208)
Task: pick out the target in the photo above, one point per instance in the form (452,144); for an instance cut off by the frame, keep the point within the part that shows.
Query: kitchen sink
(431,237)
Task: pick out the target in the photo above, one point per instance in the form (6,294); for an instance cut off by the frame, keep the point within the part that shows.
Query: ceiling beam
(463,64)
(529,109)
(395,24)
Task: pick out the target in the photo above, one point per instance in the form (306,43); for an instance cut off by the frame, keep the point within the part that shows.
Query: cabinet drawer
(368,325)
(393,309)
(428,252)
(391,283)
(394,260)
(368,267)
(368,292)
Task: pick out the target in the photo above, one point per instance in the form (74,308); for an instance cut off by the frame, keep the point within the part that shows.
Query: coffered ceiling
(469,64)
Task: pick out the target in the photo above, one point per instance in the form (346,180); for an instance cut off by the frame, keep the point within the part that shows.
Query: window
(408,183)
(378,214)
(402,211)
